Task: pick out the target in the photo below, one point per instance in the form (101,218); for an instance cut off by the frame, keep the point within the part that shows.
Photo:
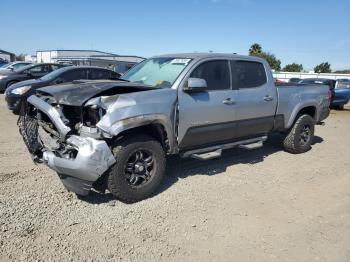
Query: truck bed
(293,97)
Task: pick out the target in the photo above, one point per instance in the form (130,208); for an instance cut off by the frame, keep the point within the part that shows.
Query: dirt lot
(261,205)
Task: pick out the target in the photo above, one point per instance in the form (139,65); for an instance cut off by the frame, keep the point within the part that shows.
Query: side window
(54,67)
(216,73)
(99,74)
(40,69)
(115,75)
(73,75)
(247,74)
(19,65)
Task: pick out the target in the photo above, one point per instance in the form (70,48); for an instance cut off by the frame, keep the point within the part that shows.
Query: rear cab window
(247,74)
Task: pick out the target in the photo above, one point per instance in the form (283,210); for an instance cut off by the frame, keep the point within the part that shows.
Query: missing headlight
(92,115)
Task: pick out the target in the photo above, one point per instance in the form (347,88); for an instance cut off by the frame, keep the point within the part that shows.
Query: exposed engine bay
(74,111)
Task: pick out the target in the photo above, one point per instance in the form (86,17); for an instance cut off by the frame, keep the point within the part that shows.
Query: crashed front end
(56,135)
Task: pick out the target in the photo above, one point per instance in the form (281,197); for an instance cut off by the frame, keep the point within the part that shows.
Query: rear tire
(139,170)
(300,136)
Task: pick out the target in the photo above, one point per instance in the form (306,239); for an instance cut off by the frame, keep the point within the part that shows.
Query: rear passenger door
(256,98)
(207,117)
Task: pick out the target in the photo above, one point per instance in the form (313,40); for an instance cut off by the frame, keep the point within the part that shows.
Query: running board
(252,145)
(208,155)
(215,151)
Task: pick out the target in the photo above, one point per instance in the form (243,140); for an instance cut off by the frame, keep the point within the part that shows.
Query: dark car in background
(294,80)
(3,62)
(318,81)
(16,92)
(15,65)
(34,71)
(342,93)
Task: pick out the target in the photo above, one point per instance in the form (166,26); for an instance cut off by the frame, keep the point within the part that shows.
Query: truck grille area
(28,128)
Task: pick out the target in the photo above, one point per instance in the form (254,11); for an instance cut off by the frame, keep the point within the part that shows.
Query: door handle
(228,101)
(268,98)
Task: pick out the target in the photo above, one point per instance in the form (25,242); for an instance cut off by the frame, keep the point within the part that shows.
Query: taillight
(330,96)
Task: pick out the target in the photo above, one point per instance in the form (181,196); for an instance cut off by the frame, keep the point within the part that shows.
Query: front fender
(142,120)
(140,109)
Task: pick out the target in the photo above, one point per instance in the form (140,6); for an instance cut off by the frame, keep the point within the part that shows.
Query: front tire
(300,136)
(139,170)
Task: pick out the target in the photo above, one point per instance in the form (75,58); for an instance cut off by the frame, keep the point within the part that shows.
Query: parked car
(294,80)
(3,62)
(342,93)
(14,65)
(278,81)
(19,91)
(34,71)
(117,134)
(319,81)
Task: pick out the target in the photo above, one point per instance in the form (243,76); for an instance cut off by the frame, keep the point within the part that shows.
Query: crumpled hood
(78,92)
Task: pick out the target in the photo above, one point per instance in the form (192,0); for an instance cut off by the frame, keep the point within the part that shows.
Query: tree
(323,68)
(20,57)
(293,67)
(274,63)
(256,50)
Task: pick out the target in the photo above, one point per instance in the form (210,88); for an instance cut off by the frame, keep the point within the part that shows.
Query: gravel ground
(258,205)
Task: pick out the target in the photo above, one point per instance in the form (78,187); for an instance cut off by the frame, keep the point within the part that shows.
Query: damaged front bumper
(93,158)
(81,161)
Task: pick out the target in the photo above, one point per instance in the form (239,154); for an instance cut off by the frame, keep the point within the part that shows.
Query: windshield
(158,72)
(54,74)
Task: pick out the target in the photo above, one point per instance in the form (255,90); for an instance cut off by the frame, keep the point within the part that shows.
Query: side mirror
(11,68)
(28,73)
(195,85)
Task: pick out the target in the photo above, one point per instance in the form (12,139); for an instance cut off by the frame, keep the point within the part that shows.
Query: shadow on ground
(178,168)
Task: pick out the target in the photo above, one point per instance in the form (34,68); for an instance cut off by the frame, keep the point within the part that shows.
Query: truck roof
(211,55)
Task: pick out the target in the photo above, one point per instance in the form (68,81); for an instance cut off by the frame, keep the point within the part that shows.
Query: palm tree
(255,49)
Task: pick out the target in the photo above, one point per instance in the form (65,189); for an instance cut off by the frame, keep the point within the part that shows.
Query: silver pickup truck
(116,135)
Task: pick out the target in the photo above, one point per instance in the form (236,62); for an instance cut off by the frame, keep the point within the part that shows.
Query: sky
(302,31)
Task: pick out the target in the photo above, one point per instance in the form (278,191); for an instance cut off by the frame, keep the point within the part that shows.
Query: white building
(30,58)
(285,76)
(115,62)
